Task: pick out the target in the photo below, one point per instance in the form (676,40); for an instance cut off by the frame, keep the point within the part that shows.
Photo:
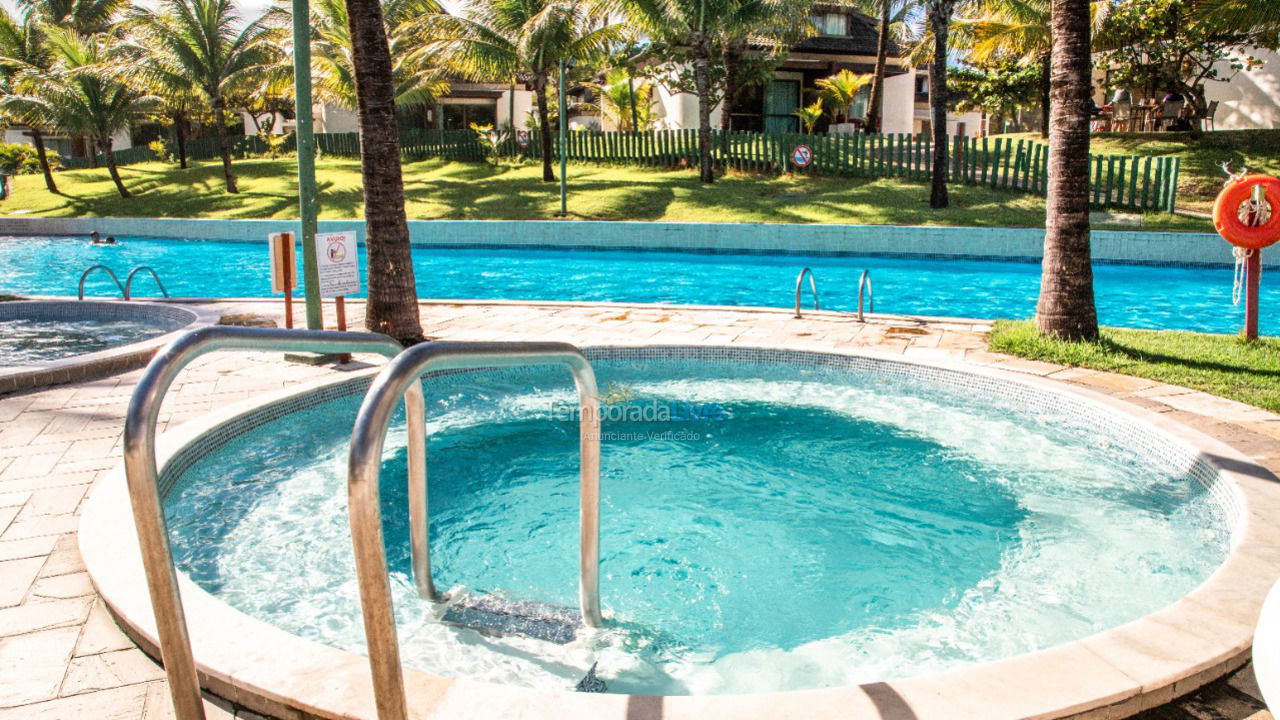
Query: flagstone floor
(62,657)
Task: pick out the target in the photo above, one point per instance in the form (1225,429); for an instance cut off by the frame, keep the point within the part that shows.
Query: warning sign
(338,263)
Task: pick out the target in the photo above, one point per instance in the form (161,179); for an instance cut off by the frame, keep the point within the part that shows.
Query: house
(845,39)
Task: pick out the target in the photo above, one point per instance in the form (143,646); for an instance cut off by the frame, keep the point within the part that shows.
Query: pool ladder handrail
(128,283)
(84,275)
(142,475)
(363,495)
(813,285)
(864,285)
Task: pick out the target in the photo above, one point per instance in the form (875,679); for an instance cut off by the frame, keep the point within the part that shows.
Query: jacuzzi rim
(117,358)
(1114,673)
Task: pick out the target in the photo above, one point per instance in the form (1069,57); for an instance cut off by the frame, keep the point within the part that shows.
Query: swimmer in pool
(96,239)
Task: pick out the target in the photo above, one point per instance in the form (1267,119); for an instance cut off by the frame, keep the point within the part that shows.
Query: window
(830,23)
(460,117)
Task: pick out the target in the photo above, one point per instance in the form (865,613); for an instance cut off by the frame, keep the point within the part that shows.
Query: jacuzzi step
(493,615)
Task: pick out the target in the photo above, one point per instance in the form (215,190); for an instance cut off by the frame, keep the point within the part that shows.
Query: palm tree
(497,39)
(22,48)
(393,293)
(417,84)
(750,47)
(621,98)
(696,28)
(89,90)
(84,17)
(1012,28)
(1260,20)
(939,20)
(204,41)
(838,92)
(809,115)
(894,24)
(1066,309)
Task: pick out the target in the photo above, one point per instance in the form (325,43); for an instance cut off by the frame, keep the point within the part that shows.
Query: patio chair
(1170,110)
(1209,112)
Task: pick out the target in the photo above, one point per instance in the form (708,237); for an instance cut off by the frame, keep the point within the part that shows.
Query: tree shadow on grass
(1135,354)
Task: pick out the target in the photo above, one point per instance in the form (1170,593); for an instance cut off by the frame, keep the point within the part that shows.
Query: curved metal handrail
(864,284)
(141,473)
(128,282)
(363,502)
(813,285)
(80,289)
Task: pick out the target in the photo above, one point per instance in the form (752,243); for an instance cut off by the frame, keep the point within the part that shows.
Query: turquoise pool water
(780,527)
(1169,298)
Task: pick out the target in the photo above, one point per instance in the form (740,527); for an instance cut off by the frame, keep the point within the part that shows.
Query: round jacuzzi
(803,525)
(45,342)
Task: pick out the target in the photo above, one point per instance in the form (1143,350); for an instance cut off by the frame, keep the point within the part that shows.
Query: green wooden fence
(1133,182)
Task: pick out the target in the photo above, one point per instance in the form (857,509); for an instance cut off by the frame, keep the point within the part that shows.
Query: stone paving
(61,655)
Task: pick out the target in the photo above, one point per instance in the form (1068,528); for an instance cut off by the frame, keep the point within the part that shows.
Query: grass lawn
(1201,176)
(436,189)
(1222,365)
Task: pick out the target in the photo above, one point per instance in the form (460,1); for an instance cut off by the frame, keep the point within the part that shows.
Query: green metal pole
(306,143)
(511,117)
(564,120)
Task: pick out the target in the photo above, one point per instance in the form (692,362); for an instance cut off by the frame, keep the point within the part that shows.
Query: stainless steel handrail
(363,501)
(813,285)
(128,282)
(91,268)
(864,283)
(141,472)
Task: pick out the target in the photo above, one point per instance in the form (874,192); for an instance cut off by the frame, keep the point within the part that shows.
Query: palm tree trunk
(702,82)
(1066,308)
(180,134)
(940,21)
(544,125)
(110,155)
(393,294)
(876,102)
(732,65)
(37,139)
(220,119)
(1044,95)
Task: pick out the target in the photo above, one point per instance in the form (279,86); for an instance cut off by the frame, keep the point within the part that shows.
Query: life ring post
(1247,215)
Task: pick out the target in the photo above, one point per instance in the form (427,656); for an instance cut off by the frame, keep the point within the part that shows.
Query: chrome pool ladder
(141,472)
(363,502)
(813,286)
(85,275)
(864,285)
(128,283)
(126,287)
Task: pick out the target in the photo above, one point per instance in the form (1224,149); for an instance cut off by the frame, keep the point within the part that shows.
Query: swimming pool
(770,521)
(1168,298)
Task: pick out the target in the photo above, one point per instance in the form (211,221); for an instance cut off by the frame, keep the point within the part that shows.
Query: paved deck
(61,656)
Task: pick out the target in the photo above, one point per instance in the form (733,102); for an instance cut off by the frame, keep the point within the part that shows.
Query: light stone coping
(1111,674)
(103,362)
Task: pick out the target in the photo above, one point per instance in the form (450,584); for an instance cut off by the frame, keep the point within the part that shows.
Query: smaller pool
(46,342)
(28,340)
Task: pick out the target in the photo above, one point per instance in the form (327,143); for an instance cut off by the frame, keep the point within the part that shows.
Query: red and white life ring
(1226,213)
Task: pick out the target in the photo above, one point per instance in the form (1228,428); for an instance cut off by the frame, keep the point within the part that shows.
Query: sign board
(802,156)
(284,276)
(522,138)
(338,264)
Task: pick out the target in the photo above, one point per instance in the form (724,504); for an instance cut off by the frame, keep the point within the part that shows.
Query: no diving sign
(802,155)
(338,264)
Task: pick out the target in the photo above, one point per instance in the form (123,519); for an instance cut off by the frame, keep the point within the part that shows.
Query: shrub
(160,149)
(21,159)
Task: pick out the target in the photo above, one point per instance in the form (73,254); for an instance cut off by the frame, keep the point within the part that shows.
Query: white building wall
(1251,99)
(524,106)
(898,114)
(335,119)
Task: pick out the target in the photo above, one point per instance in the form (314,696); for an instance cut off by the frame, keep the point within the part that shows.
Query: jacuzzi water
(25,341)
(764,526)
(1160,298)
